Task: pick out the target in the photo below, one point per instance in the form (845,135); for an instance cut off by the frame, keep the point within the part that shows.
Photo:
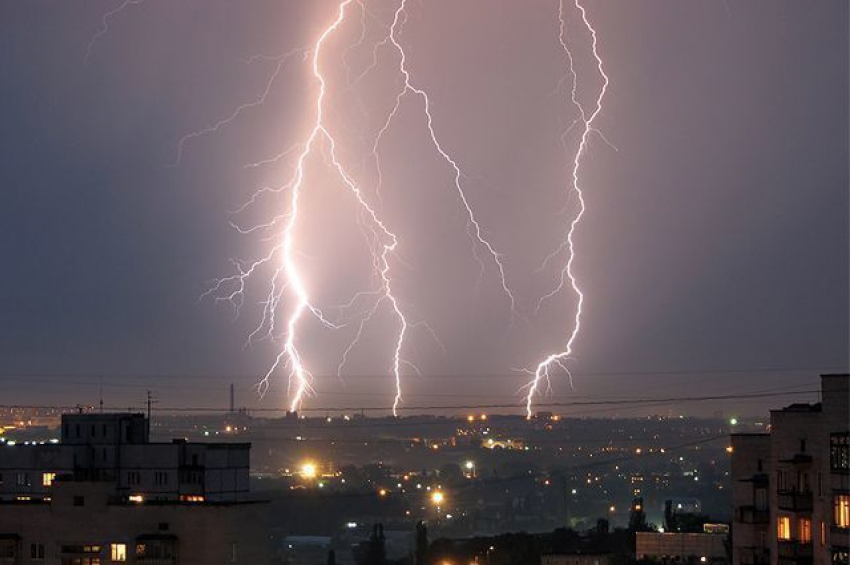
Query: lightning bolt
(567,275)
(473,226)
(286,280)
(104,26)
(287,276)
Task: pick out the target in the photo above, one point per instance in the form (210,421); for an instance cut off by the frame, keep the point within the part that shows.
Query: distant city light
(734,422)
(437,498)
(309,470)
(470,465)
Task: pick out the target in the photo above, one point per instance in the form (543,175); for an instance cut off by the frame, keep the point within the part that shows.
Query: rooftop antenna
(101,394)
(232,400)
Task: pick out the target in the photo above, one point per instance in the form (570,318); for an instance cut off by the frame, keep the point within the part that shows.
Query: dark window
(79,501)
(36,551)
(77,429)
(760,465)
(760,499)
(163,526)
(103,430)
(195,460)
(93,431)
(802,446)
(839,452)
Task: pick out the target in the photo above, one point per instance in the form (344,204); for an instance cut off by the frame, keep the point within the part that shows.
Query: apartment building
(791,487)
(105,494)
(116,448)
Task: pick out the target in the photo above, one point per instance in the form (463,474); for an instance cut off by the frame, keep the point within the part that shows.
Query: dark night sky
(716,236)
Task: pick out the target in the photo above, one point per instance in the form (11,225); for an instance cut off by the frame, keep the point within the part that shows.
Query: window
(134,477)
(233,552)
(1,479)
(47,479)
(805,530)
(23,480)
(79,501)
(118,552)
(841,510)
(840,556)
(760,499)
(839,452)
(160,478)
(37,551)
(803,482)
(823,534)
(781,480)
(783,528)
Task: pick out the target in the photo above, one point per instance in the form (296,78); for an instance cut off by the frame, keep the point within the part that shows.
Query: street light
(309,470)
(437,498)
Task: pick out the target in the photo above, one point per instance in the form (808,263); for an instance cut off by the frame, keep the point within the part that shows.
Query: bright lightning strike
(287,275)
(287,286)
(557,359)
(383,242)
(474,227)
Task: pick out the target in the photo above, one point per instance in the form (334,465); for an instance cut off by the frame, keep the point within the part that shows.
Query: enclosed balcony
(795,501)
(751,515)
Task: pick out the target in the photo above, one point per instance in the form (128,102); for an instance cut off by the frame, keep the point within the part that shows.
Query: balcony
(839,537)
(795,501)
(795,552)
(750,515)
(754,556)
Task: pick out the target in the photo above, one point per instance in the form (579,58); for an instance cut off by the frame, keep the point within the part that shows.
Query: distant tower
(232,399)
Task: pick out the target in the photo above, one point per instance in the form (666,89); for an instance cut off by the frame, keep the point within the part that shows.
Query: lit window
(47,479)
(118,552)
(823,534)
(136,498)
(191,498)
(783,528)
(805,530)
(841,509)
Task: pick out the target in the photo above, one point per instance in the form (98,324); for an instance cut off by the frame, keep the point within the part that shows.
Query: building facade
(791,487)
(116,448)
(685,547)
(105,495)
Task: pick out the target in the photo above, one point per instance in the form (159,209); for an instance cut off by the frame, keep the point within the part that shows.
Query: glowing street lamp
(309,470)
(437,498)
